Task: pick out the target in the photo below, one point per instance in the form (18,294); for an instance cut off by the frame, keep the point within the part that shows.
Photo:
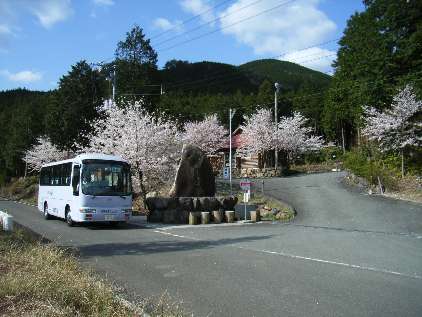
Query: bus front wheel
(69,220)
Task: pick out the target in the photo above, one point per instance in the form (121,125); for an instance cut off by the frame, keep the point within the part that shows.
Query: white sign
(245,185)
(246,196)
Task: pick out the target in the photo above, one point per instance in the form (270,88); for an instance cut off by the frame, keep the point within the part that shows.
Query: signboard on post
(245,185)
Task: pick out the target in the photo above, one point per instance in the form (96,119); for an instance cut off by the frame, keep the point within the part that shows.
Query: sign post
(245,185)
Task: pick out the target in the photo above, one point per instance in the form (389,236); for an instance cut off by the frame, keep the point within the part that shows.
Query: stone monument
(194,176)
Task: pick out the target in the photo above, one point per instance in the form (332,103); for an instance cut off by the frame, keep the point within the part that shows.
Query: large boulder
(194,177)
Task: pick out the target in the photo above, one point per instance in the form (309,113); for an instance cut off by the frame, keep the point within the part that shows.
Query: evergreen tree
(74,105)
(380,51)
(265,95)
(136,66)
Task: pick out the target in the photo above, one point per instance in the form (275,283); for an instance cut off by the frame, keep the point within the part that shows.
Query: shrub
(362,164)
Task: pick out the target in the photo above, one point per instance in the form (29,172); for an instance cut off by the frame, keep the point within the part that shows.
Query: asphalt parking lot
(346,254)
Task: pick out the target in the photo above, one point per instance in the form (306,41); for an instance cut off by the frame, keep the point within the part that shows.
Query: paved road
(346,254)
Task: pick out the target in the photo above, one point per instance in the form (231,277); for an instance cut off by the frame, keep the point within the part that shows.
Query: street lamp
(231,115)
(277,89)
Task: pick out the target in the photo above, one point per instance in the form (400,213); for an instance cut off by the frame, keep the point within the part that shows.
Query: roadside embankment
(40,279)
(407,188)
(21,189)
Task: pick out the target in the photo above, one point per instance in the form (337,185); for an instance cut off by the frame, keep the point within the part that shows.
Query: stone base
(176,210)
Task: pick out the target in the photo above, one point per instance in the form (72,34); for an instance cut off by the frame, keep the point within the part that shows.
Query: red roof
(236,140)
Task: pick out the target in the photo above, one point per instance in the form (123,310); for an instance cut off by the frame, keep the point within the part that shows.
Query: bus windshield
(105,178)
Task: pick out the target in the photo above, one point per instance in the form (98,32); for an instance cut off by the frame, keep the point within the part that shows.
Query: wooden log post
(193,218)
(255,216)
(218,216)
(230,216)
(205,217)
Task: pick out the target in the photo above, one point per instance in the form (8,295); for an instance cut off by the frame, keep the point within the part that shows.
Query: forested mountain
(195,89)
(205,78)
(218,78)
(291,76)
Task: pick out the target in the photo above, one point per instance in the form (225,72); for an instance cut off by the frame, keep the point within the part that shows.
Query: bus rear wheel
(46,214)
(69,220)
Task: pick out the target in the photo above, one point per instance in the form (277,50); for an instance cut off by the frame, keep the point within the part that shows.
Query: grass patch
(43,280)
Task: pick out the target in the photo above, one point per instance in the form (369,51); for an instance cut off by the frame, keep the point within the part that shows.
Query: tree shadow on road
(152,247)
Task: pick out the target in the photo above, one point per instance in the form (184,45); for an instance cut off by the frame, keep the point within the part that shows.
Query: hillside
(205,77)
(290,75)
(210,77)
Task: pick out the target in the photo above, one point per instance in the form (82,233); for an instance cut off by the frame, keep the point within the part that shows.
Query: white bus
(87,188)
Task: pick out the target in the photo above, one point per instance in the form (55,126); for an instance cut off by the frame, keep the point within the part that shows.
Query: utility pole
(114,81)
(231,114)
(277,89)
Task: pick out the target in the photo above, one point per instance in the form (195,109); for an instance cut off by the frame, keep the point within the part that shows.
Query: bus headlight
(86,210)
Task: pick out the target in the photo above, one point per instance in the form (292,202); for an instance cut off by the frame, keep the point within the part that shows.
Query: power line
(225,71)
(208,23)
(233,77)
(190,19)
(227,26)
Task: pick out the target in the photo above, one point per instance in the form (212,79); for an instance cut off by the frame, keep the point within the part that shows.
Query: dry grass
(408,188)
(315,167)
(43,280)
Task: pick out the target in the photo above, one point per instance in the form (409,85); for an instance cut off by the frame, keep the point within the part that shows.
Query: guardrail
(6,221)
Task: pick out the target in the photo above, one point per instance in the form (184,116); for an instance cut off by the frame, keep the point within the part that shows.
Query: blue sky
(41,39)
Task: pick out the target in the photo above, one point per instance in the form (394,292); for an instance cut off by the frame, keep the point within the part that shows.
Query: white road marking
(299,257)
(293,256)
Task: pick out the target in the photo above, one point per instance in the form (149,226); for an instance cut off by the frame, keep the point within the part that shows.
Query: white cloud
(198,7)
(50,12)
(5,33)
(103,2)
(165,25)
(25,76)
(5,30)
(315,58)
(284,29)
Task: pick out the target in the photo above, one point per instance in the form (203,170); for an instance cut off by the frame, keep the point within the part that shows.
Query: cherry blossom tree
(42,152)
(394,129)
(208,134)
(291,135)
(257,134)
(294,137)
(150,144)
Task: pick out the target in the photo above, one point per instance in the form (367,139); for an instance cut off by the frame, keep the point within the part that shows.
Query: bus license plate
(108,217)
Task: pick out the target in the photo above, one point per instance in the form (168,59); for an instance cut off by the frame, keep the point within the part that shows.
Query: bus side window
(76,179)
(66,171)
(44,177)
